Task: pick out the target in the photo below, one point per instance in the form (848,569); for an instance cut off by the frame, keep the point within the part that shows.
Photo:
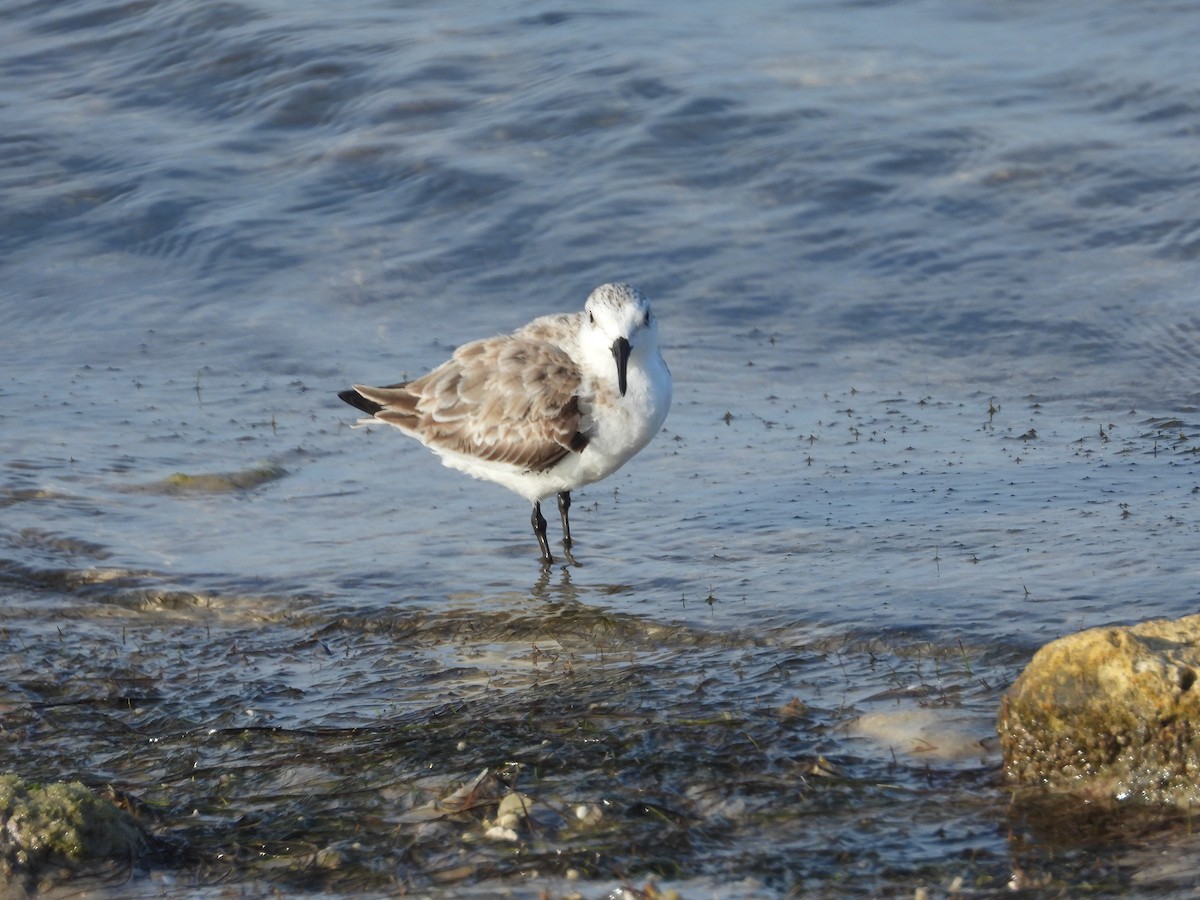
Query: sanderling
(562,402)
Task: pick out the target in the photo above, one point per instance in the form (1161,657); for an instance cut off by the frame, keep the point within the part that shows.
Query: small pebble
(497,833)
(329,858)
(515,804)
(588,814)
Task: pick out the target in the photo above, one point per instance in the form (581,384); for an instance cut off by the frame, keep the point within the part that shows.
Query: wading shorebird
(560,403)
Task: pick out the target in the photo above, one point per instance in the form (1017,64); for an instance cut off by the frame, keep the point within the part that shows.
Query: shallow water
(926,275)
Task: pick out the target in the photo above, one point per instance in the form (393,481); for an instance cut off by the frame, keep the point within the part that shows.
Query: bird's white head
(618,320)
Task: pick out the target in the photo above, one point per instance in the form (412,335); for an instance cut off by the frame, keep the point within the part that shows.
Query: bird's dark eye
(592,318)
(646,320)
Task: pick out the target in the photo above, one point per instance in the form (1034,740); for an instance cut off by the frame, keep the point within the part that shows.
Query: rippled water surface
(927,280)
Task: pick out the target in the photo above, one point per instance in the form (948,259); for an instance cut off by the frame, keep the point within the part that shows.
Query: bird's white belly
(621,427)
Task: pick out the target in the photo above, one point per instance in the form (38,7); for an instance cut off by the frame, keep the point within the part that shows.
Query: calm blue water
(862,224)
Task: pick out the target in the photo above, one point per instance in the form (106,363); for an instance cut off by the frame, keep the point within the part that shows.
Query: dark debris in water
(638,751)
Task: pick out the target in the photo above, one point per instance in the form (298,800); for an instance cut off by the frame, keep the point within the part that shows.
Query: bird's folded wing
(505,399)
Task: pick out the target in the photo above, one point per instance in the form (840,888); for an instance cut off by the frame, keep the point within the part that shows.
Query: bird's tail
(358,401)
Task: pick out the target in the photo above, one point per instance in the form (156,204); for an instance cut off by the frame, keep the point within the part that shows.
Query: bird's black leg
(539,528)
(564,504)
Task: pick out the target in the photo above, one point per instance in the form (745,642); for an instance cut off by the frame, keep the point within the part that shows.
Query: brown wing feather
(505,399)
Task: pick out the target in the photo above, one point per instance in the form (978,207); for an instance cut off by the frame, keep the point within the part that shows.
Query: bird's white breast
(622,426)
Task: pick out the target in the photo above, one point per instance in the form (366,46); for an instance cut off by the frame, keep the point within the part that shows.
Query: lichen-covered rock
(1110,713)
(54,830)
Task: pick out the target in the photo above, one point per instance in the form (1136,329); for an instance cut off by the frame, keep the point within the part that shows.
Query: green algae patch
(218,482)
(52,831)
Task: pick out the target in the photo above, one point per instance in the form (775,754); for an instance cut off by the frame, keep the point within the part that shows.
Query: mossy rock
(1110,714)
(219,482)
(49,832)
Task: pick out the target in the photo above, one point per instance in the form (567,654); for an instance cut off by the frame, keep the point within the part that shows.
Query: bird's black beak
(620,352)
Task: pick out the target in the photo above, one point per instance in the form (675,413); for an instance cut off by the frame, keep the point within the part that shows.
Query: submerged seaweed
(642,751)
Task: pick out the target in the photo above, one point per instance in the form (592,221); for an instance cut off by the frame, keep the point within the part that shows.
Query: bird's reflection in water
(564,592)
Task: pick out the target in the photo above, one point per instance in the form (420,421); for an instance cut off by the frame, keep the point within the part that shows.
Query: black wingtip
(358,401)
